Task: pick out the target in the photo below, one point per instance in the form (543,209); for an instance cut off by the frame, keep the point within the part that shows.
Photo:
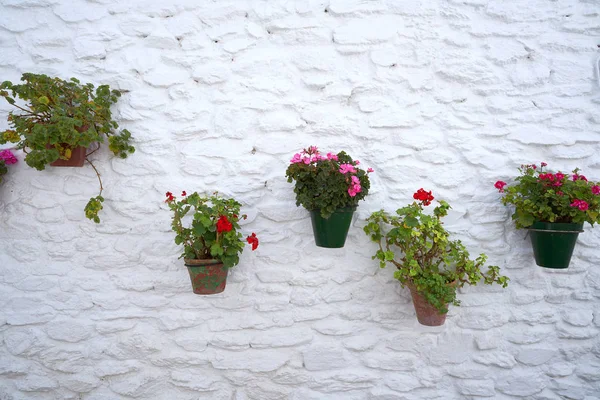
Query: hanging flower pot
(553,206)
(332,232)
(426,313)
(57,119)
(553,243)
(207,276)
(432,265)
(330,187)
(211,240)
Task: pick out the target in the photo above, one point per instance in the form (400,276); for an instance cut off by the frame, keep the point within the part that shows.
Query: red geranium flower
(253,240)
(223,224)
(423,196)
(184,193)
(500,185)
(169,197)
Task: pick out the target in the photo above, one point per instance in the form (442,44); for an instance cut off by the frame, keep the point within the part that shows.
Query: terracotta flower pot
(426,313)
(77,158)
(77,153)
(207,276)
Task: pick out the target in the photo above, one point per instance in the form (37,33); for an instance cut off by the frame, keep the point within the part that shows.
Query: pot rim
(196,262)
(556,227)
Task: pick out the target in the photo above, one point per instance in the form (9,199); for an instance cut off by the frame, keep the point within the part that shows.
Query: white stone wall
(449,95)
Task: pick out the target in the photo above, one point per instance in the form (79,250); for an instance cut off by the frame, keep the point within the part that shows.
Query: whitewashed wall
(449,95)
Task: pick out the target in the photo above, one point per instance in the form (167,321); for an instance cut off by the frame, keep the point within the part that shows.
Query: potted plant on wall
(59,120)
(211,242)
(329,187)
(553,206)
(427,261)
(6,158)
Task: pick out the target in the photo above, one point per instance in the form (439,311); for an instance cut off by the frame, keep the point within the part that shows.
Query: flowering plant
(6,158)
(59,116)
(429,261)
(539,195)
(327,182)
(213,231)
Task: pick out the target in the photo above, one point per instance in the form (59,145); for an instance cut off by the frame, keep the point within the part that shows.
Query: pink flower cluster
(8,157)
(582,205)
(596,189)
(311,155)
(355,188)
(345,168)
(579,177)
(553,179)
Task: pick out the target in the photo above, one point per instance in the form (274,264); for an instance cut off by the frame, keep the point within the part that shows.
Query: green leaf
(216,250)
(411,221)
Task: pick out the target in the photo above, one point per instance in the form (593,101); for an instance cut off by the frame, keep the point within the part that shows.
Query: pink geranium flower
(500,186)
(345,168)
(8,157)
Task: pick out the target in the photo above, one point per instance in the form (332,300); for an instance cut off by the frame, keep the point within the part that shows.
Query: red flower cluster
(423,196)
(223,224)
(555,178)
(169,197)
(500,186)
(579,177)
(253,240)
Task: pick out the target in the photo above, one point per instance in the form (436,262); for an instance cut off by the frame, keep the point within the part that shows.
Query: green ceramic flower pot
(331,232)
(207,276)
(553,243)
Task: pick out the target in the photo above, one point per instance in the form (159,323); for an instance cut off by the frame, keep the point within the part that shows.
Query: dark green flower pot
(207,276)
(332,232)
(553,243)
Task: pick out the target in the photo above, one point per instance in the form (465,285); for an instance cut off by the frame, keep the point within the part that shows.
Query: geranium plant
(213,231)
(542,196)
(6,158)
(419,246)
(58,118)
(327,182)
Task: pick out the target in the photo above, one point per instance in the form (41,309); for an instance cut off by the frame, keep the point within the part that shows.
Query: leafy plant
(60,116)
(327,183)
(541,196)
(6,158)
(419,246)
(213,231)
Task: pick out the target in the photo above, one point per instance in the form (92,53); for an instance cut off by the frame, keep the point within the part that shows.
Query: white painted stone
(535,356)
(198,380)
(522,384)
(390,361)
(324,357)
(480,388)
(36,383)
(251,360)
(578,317)
(367,31)
(280,121)
(137,385)
(68,331)
(499,359)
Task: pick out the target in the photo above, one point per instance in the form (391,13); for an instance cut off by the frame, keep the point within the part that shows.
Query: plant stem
(97,174)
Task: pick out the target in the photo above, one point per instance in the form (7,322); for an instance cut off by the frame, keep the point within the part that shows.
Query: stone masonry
(448,95)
